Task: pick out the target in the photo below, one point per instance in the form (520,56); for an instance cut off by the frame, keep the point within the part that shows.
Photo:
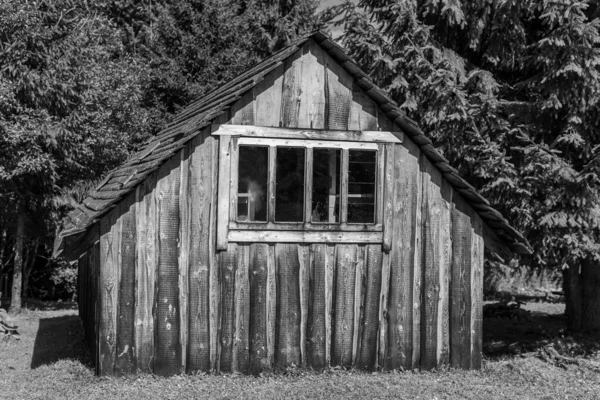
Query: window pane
(252,183)
(361,186)
(326,185)
(289,185)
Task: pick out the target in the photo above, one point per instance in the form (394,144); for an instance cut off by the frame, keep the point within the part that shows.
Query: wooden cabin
(294,216)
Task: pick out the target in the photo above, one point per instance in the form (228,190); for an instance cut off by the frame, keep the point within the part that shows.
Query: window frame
(308,145)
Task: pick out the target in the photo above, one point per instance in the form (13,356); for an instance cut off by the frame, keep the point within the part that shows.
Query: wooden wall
(167,302)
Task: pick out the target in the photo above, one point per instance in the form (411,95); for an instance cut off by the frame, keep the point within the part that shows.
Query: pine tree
(508,91)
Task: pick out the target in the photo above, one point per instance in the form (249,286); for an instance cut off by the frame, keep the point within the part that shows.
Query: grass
(51,362)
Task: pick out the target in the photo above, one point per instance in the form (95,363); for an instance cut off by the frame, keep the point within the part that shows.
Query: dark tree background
(509,92)
(83,84)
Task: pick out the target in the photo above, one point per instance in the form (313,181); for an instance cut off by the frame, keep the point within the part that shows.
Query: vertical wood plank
(363,111)
(258,308)
(200,193)
(432,204)
(460,298)
(370,322)
(110,234)
(382,341)
(344,187)
(145,274)
(330,266)
(227,265)
(287,347)
(445,257)
(272,179)
(214,277)
(317,306)
(338,92)
(341,352)
(477,259)
(95,259)
(125,351)
(242,310)
(388,197)
(271,304)
(242,111)
(267,101)
(358,301)
(304,259)
(291,96)
(311,112)
(167,349)
(223,202)
(405,259)
(184,251)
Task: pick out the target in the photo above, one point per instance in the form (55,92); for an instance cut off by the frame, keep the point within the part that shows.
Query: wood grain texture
(223,196)
(445,259)
(317,307)
(405,271)
(477,259)
(389,213)
(200,192)
(242,310)
(382,333)
(330,267)
(110,235)
(287,346)
(95,260)
(213,277)
(304,259)
(432,226)
(338,92)
(271,304)
(242,111)
(146,264)
(292,84)
(343,321)
(167,348)
(370,322)
(311,112)
(258,308)
(363,111)
(184,252)
(227,265)
(359,281)
(125,351)
(267,95)
(460,291)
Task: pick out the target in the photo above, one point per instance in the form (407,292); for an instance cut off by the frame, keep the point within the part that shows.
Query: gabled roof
(198,115)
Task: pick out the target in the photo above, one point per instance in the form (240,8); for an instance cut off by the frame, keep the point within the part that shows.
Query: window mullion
(233,184)
(272,177)
(344,188)
(308,182)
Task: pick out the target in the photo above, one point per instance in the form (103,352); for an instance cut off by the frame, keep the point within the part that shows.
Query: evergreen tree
(508,91)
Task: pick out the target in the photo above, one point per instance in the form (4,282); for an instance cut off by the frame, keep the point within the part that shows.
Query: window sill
(279,236)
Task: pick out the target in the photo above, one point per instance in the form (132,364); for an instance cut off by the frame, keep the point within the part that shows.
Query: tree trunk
(572,289)
(15,303)
(590,277)
(28,266)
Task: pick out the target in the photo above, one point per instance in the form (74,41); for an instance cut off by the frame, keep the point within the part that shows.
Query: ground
(527,356)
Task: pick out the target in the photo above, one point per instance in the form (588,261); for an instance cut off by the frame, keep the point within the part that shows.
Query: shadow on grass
(60,338)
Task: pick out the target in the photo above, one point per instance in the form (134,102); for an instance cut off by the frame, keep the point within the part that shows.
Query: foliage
(508,91)
(82,85)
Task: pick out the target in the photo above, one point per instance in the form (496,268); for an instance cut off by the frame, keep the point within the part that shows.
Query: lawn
(527,359)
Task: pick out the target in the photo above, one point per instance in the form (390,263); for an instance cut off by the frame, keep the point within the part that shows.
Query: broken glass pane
(289,184)
(252,183)
(326,185)
(361,186)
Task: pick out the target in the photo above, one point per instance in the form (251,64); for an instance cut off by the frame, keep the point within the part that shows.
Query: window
(291,184)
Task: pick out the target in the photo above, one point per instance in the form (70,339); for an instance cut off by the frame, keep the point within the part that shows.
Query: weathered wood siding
(167,301)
